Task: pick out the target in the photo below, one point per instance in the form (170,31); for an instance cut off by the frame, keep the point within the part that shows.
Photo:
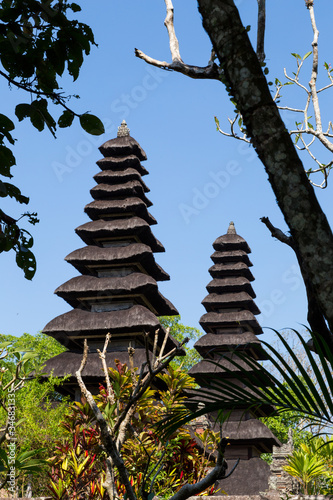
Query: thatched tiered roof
(231,328)
(117,290)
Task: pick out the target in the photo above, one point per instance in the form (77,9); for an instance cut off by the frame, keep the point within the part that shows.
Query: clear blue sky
(172,117)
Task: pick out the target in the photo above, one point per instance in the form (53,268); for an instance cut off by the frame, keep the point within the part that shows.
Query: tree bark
(245,81)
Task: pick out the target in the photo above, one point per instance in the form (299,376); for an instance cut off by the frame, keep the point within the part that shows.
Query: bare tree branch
(315,316)
(207,72)
(146,381)
(261,30)
(311,98)
(107,434)
(110,392)
(173,40)
(233,133)
(219,472)
(57,97)
(277,233)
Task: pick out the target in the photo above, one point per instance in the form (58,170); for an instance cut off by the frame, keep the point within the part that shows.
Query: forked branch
(207,72)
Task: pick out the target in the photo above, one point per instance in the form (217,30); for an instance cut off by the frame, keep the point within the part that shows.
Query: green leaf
(7,160)
(3,345)
(66,119)
(91,124)
(307,55)
(296,55)
(7,189)
(29,355)
(41,116)
(3,459)
(22,111)
(6,125)
(25,259)
(75,7)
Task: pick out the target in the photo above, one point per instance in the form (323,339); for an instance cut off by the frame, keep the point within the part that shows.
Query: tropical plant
(291,391)
(154,467)
(78,464)
(311,465)
(38,408)
(14,461)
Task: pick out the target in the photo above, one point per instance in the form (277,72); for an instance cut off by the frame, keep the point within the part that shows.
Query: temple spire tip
(231,228)
(123,130)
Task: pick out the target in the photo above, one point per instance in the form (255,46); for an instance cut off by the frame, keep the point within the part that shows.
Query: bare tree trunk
(243,76)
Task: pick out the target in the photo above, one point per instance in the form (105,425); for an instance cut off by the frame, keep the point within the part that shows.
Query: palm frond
(254,387)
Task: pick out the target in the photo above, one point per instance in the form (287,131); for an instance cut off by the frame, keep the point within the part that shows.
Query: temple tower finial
(123,130)
(231,228)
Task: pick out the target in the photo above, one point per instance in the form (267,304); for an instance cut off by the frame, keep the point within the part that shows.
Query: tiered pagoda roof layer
(116,291)
(231,327)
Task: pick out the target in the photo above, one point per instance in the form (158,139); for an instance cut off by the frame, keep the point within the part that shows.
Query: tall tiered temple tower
(116,291)
(230,325)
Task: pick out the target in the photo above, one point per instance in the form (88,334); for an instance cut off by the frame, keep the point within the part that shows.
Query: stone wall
(279,479)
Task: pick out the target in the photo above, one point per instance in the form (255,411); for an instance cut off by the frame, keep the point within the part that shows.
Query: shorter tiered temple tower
(116,291)
(231,326)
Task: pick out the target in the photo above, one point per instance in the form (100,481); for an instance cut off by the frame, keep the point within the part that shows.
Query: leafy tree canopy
(38,408)
(38,44)
(43,346)
(180,332)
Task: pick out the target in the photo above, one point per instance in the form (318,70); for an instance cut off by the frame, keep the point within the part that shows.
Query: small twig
(295,80)
(294,110)
(173,40)
(29,88)
(110,392)
(233,134)
(146,382)
(131,352)
(160,354)
(146,339)
(314,72)
(277,233)
(155,347)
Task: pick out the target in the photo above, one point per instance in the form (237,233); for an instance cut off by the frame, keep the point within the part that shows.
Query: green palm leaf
(254,387)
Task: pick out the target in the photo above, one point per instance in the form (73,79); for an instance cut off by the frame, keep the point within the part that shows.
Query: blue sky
(199,180)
